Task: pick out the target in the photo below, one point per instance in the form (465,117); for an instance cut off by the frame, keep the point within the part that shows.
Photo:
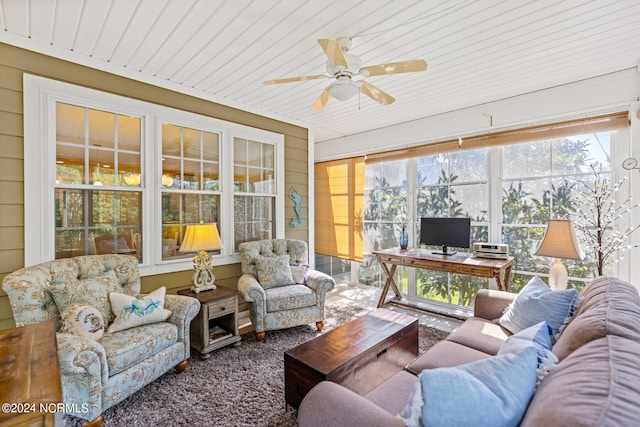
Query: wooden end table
(359,355)
(218,311)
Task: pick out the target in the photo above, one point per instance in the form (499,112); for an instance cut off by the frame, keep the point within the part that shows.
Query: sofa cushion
(131,346)
(445,354)
(535,303)
(598,384)
(289,297)
(92,291)
(608,306)
(481,334)
(611,288)
(273,271)
(393,394)
(495,391)
(131,311)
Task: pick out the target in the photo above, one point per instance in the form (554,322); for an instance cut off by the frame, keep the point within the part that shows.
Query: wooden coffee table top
(338,346)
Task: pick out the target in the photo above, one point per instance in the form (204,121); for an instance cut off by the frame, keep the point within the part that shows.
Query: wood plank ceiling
(477,51)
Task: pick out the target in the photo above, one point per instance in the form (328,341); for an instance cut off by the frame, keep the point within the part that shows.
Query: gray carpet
(236,386)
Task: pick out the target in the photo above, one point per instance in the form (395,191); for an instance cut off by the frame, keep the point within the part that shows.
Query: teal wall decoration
(297,199)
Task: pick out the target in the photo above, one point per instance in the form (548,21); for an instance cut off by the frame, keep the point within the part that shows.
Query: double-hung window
(105,174)
(254,190)
(190,183)
(97,206)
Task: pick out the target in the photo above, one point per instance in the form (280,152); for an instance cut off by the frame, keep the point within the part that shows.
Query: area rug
(236,386)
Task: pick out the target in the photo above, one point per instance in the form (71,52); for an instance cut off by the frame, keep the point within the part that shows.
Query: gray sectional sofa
(595,383)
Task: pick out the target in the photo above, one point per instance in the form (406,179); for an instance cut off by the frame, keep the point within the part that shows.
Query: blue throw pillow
(490,392)
(537,336)
(535,303)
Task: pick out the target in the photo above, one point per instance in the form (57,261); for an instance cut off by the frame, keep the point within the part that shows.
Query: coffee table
(359,355)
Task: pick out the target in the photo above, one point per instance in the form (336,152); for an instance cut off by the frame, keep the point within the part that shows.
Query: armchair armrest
(250,289)
(490,303)
(183,310)
(82,356)
(320,282)
(330,404)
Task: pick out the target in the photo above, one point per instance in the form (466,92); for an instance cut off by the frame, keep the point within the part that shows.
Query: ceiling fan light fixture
(343,90)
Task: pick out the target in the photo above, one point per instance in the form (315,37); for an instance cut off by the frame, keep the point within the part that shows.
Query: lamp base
(203,277)
(198,289)
(558,276)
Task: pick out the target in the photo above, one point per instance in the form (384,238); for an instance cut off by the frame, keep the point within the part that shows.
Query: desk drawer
(474,270)
(222,307)
(440,266)
(391,259)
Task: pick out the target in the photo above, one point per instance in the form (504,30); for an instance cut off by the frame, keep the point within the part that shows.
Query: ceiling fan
(343,66)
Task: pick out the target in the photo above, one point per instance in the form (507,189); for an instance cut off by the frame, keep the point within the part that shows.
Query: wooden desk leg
(394,285)
(507,277)
(388,283)
(502,278)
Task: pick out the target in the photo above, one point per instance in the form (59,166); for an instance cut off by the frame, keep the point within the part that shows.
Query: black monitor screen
(445,232)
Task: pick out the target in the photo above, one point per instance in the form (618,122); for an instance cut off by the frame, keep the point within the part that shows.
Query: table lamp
(559,242)
(202,238)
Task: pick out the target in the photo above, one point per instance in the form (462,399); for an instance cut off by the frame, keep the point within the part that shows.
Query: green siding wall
(15,61)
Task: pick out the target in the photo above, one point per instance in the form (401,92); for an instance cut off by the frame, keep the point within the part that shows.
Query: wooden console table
(460,263)
(31,389)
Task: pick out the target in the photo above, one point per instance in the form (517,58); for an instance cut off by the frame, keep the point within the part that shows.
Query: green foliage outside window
(540,180)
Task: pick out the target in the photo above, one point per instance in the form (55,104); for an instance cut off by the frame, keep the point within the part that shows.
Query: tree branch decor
(597,218)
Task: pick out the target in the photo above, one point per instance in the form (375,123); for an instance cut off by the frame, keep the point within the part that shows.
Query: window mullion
(412,210)
(494,159)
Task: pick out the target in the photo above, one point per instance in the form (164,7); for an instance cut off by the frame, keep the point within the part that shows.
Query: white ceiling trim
(135,75)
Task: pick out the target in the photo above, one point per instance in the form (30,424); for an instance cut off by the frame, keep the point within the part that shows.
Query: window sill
(184,264)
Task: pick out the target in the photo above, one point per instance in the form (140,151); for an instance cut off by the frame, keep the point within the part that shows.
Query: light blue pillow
(535,303)
(537,336)
(489,392)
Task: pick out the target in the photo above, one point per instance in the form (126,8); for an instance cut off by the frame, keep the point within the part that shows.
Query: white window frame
(40,97)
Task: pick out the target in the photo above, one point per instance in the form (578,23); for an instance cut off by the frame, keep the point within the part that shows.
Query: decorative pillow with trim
(132,312)
(537,336)
(535,303)
(299,273)
(93,291)
(494,391)
(274,271)
(83,320)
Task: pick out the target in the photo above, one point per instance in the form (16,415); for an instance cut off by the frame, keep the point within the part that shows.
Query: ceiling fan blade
(334,52)
(321,101)
(394,68)
(295,79)
(376,94)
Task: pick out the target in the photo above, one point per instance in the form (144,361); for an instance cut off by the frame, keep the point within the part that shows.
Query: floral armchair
(282,290)
(97,374)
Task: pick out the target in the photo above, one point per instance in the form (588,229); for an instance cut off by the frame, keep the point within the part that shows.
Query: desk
(460,263)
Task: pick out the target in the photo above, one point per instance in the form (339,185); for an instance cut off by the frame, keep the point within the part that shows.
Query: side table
(216,325)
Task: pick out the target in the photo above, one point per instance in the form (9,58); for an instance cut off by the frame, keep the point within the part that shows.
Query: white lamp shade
(201,237)
(560,241)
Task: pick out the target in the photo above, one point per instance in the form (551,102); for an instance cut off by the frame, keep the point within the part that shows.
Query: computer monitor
(445,232)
